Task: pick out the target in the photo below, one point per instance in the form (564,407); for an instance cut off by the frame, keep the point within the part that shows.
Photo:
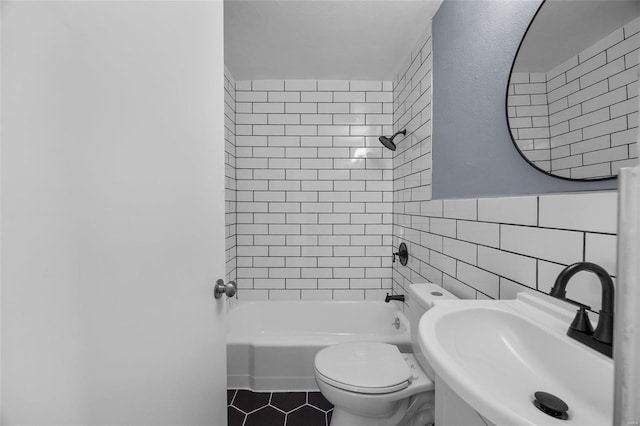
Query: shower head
(388,142)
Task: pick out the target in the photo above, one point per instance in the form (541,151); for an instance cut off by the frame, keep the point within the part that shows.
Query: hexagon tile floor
(247,408)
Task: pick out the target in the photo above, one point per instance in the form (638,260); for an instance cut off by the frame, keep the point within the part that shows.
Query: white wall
(111,230)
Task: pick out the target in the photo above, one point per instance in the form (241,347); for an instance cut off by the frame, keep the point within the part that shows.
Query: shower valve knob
(221,288)
(402,253)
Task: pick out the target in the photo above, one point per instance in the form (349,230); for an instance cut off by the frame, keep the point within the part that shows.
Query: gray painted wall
(474,44)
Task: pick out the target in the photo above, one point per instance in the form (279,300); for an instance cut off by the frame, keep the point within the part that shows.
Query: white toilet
(373,384)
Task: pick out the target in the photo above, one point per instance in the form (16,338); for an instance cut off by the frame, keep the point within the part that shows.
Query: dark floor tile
(230,394)
(267,416)
(248,401)
(235,417)
(306,416)
(318,400)
(329,414)
(287,401)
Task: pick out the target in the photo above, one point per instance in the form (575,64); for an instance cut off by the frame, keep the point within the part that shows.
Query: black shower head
(388,142)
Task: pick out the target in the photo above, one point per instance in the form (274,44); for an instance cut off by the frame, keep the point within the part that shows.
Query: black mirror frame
(506,113)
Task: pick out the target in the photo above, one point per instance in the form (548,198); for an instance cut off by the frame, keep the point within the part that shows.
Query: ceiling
(563,28)
(322,39)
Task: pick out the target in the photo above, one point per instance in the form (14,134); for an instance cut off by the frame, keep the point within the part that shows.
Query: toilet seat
(363,367)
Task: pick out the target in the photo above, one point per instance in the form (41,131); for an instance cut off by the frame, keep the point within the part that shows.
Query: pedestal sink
(497,354)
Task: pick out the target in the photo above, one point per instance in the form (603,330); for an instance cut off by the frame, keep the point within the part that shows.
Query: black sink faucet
(398,297)
(602,338)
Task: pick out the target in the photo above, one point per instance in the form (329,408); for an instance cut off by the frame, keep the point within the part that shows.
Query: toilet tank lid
(426,293)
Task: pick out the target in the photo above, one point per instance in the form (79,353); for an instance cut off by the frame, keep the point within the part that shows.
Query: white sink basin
(496,354)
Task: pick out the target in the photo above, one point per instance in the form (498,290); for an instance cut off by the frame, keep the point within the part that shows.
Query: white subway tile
(585,67)
(349,97)
(460,209)
(601,249)
(333,108)
(510,289)
(378,97)
(268,283)
(284,119)
(512,266)
(433,208)
(278,140)
(479,279)
(317,119)
(594,211)
(244,107)
(268,107)
(243,85)
(629,44)
(266,130)
(267,85)
(513,210)
(283,97)
(301,108)
(316,141)
(317,163)
(302,130)
(301,85)
(251,96)
(551,244)
(358,85)
(333,85)
(316,97)
(458,289)
(349,119)
(444,263)
(367,108)
(479,232)
(460,250)
(333,130)
(446,227)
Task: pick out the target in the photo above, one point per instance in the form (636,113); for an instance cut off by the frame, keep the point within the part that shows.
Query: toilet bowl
(374,384)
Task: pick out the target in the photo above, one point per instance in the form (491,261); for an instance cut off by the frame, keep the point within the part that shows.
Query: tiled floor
(247,408)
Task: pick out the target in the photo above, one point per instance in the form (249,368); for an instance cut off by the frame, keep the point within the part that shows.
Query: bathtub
(271,344)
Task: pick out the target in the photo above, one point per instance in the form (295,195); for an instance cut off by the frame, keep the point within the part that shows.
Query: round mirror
(572,100)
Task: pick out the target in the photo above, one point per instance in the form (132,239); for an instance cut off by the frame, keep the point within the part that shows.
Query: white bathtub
(271,344)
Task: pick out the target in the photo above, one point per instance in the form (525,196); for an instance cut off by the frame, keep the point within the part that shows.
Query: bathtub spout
(398,297)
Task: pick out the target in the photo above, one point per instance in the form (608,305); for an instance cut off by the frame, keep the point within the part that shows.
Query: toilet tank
(420,300)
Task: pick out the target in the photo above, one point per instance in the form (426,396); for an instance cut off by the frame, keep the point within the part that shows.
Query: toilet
(374,384)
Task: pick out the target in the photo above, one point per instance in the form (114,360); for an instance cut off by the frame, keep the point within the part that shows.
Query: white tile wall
(590,123)
(529,117)
(314,189)
(230,175)
(491,258)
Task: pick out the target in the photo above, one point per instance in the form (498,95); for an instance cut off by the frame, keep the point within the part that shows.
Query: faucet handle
(581,322)
(578,304)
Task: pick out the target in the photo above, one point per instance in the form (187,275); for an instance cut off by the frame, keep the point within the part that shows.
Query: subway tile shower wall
(580,119)
(412,161)
(314,189)
(230,174)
